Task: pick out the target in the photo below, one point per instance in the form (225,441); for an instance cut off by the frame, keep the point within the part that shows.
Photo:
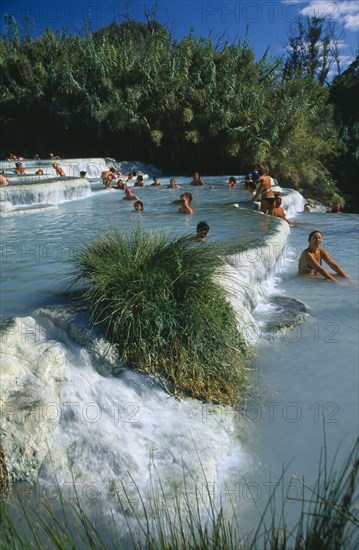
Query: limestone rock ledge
(31,376)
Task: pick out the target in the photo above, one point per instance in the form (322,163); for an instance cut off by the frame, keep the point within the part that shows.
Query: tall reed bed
(157,298)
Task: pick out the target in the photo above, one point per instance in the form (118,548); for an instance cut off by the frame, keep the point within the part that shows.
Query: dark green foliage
(344,93)
(129,91)
(157,299)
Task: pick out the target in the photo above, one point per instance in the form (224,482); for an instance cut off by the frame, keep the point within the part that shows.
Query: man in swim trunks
(264,189)
(310,262)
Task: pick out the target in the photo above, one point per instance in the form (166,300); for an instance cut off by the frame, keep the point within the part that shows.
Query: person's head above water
(186,195)
(202,229)
(313,233)
(315,239)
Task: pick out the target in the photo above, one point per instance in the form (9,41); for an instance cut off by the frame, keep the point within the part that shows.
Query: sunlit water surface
(307,377)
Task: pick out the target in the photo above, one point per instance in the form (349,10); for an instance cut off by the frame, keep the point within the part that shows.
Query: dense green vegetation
(344,93)
(130,91)
(157,299)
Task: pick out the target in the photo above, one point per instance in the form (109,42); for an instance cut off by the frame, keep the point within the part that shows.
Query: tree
(344,93)
(313,49)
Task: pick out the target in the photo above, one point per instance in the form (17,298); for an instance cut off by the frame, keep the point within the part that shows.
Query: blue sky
(267,22)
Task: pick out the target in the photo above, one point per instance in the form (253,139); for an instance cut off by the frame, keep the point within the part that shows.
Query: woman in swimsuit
(310,262)
(265,189)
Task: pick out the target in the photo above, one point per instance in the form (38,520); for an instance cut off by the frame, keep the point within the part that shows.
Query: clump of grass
(156,298)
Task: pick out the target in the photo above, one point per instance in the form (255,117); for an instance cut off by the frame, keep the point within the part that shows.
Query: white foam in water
(104,432)
(112,430)
(72,167)
(52,191)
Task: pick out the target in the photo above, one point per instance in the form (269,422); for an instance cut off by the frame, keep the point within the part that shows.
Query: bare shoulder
(323,253)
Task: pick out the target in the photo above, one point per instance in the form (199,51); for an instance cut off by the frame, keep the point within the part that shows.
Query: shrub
(156,298)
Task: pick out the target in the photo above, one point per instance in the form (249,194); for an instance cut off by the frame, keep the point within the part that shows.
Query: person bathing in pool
(265,190)
(310,262)
(185,205)
(202,230)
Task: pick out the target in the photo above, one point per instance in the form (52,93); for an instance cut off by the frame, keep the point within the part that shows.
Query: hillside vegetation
(132,92)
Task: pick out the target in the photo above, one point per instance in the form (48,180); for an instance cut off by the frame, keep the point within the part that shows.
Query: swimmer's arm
(187,208)
(260,189)
(283,217)
(317,267)
(335,267)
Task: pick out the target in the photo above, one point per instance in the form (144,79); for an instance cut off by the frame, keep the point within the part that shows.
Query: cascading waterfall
(71,409)
(105,425)
(47,192)
(72,167)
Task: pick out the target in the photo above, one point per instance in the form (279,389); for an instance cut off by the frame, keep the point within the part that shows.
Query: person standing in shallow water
(310,262)
(265,190)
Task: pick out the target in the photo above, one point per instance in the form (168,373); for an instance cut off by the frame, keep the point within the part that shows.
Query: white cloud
(344,61)
(351,22)
(345,13)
